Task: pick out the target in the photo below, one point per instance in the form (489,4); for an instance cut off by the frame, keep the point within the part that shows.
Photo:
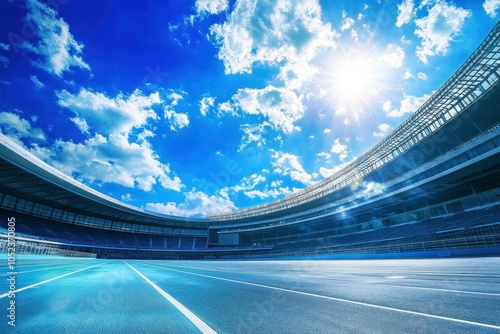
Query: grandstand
(432,185)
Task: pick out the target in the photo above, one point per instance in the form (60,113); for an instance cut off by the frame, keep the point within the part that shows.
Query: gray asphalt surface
(360,296)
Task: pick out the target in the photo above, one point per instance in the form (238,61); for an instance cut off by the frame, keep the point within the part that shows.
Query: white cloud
(226,108)
(386,106)
(81,124)
(176,120)
(354,35)
(196,203)
(112,159)
(339,149)
(255,179)
(407,75)
(383,129)
(126,198)
(422,76)
(283,33)
(16,128)
(248,183)
(38,83)
(280,105)
(408,105)
(173,27)
(3,59)
(491,7)
(326,131)
(211,6)
(404,40)
(340,110)
(206,103)
(295,72)
(189,21)
(57,48)
(276,183)
(347,22)
(248,186)
(253,133)
(108,156)
(405,12)
(325,155)
(236,46)
(287,164)
(327,172)
(438,29)
(393,56)
(107,115)
(175,96)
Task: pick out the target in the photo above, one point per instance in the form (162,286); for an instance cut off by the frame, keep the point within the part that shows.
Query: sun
(353,77)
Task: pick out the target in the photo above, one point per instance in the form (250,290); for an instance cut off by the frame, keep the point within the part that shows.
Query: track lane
(262,296)
(107,298)
(464,308)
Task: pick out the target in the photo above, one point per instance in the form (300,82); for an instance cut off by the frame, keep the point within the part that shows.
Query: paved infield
(360,296)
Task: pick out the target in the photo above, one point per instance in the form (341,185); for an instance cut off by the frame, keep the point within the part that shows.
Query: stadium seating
(467,229)
(482,223)
(43,229)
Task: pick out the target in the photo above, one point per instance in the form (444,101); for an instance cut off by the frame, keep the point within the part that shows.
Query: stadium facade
(432,185)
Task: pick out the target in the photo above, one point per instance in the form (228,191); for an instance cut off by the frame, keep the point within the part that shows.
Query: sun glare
(352,77)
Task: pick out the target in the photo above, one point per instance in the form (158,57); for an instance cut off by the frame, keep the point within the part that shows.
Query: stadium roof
(25,176)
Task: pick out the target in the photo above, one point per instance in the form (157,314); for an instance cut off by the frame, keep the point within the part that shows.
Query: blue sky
(200,107)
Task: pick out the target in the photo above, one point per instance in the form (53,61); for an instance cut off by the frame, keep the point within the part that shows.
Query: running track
(362,296)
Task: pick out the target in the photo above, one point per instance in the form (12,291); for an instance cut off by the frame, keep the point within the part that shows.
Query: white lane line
(37,263)
(32,271)
(443,290)
(336,299)
(423,273)
(49,280)
(202,326)
(350,281)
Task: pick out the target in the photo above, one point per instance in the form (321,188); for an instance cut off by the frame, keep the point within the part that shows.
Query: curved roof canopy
(25,176)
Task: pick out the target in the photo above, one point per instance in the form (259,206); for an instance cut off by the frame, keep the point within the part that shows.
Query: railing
(399,246)
(41,248)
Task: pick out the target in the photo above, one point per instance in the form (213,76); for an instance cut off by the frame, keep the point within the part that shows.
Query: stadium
(429,191)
